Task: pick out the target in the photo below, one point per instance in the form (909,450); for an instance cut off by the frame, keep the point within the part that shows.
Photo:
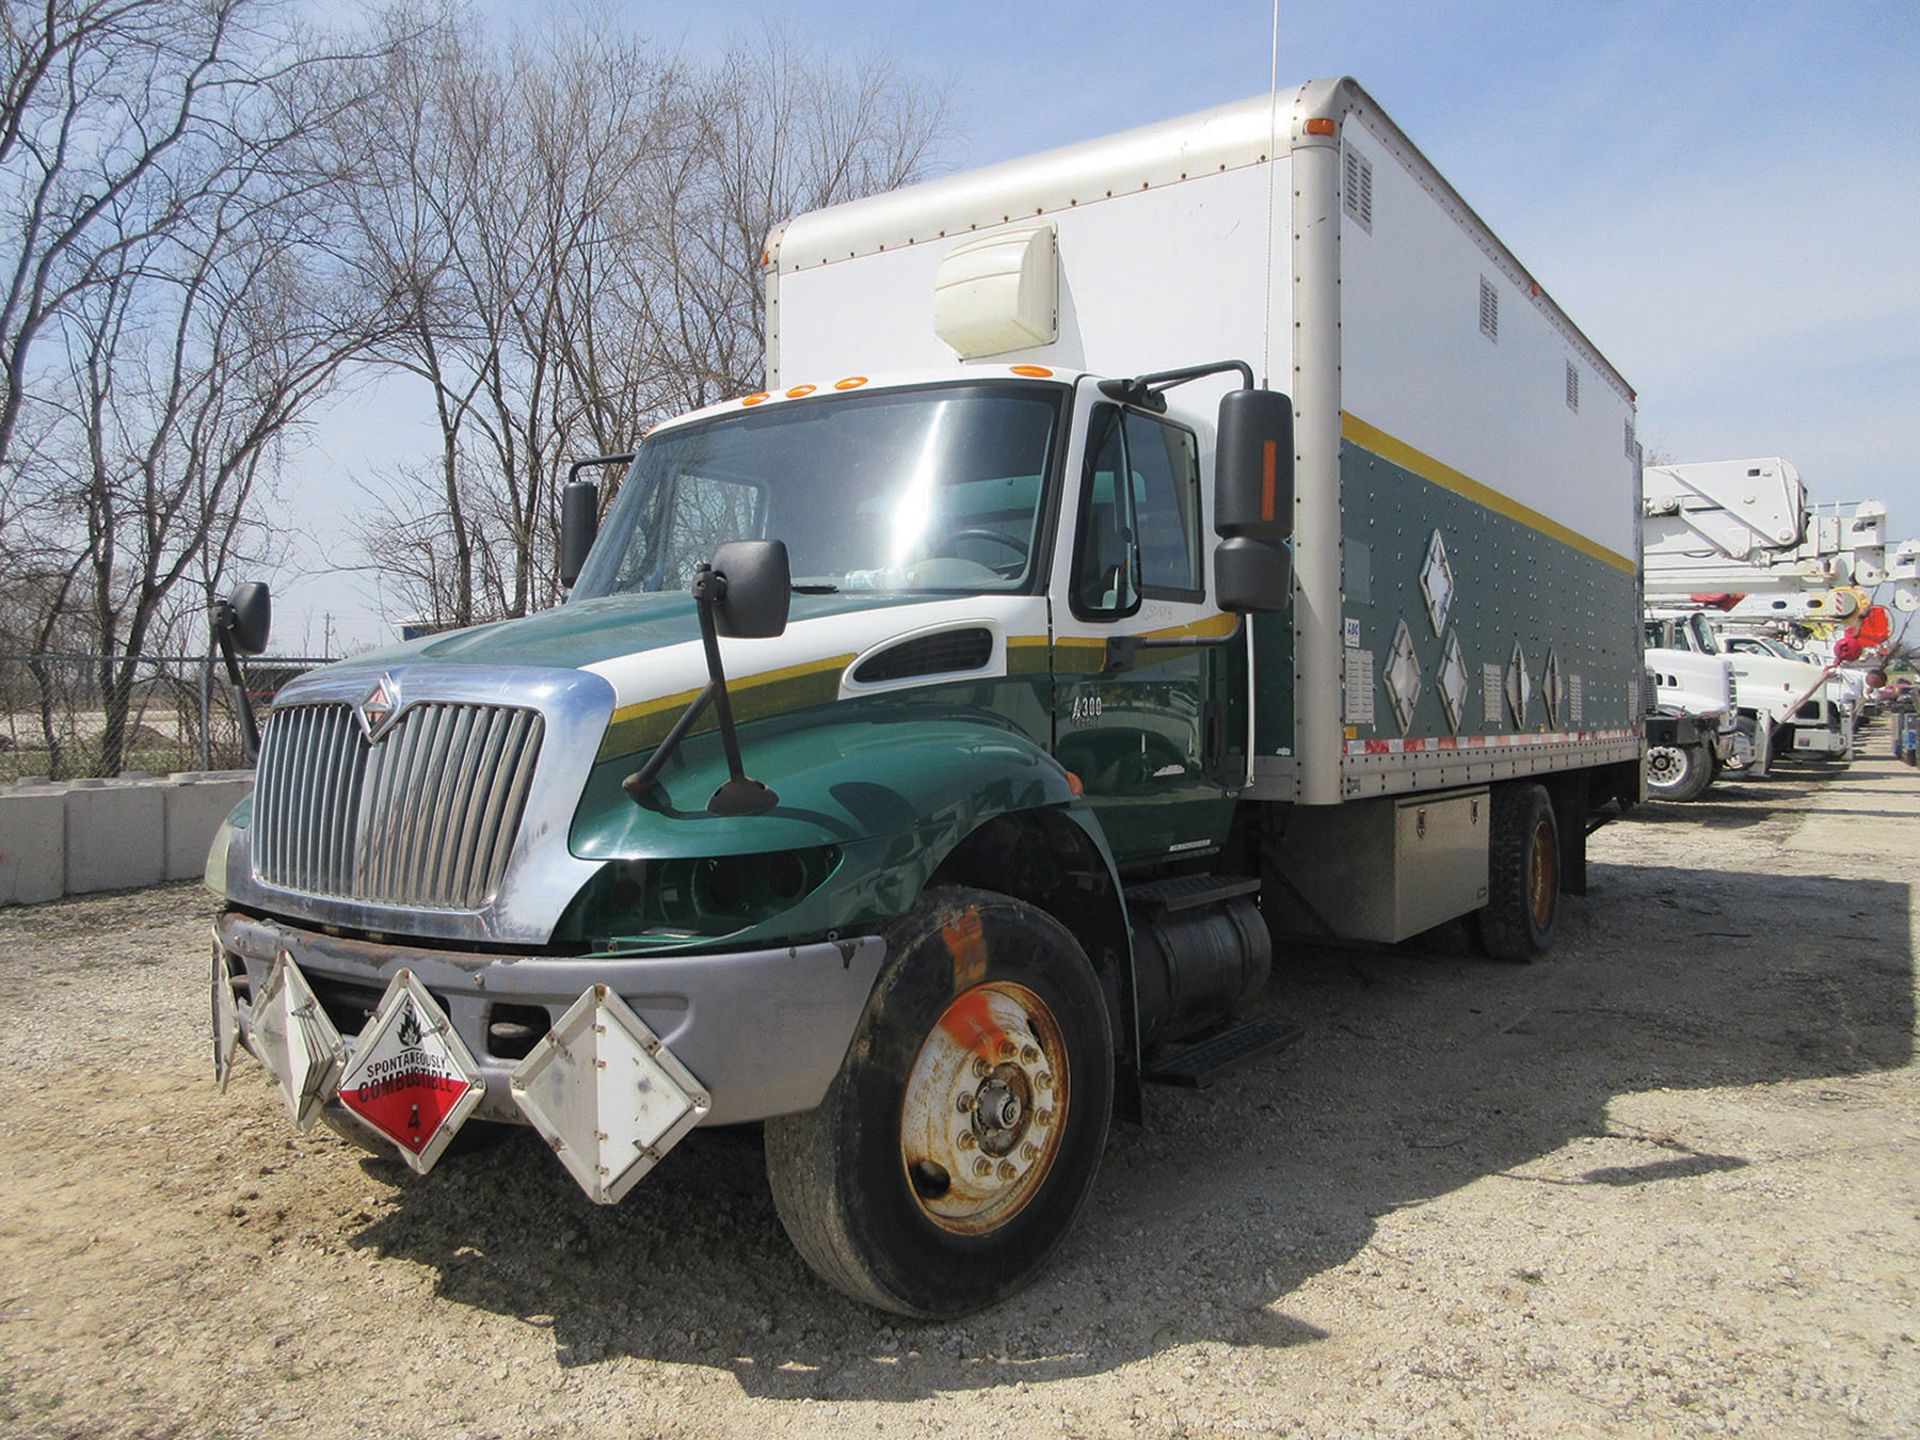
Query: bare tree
(574,228)
(175,309)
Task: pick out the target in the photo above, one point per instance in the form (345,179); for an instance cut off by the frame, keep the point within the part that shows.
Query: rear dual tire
(1523,875)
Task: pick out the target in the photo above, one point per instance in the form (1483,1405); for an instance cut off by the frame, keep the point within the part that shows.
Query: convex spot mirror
(755,589)
(1253,501)
(247,616)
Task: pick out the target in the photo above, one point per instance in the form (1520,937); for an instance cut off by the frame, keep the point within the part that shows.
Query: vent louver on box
(1489,310)
(1573,387)
(950,651)
(1630,437)
(1357,188)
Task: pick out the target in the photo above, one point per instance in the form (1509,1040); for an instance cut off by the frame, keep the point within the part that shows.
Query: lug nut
(1007,1172)
(1006,1049)
(1030,1053)
(1044,1080)
(1045,1117)
(1030,1151)
(983,1166)
(965,1102)
(967,1141)
(980,1067)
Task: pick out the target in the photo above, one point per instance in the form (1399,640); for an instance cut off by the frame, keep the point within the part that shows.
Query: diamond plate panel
(1452,681)
(1436,583)
(1402,676)
(1519,685)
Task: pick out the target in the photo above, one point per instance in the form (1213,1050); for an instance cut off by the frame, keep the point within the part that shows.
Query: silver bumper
(764,1030)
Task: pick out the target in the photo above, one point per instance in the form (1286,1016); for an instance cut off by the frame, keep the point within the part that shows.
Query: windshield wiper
(816,589)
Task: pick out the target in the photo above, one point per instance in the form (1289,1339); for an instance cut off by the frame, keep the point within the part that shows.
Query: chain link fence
(181,713)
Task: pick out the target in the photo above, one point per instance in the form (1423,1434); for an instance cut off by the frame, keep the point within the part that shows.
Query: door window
(1139,534)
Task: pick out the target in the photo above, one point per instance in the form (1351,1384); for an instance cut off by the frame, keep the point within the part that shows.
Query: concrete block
(116,835)
(33,844)
(196,804)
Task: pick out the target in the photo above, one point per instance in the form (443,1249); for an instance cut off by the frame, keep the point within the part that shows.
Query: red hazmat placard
(410,1075)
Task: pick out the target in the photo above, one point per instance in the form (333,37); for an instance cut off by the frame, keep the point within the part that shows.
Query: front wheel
(1679,772)
(961,1137)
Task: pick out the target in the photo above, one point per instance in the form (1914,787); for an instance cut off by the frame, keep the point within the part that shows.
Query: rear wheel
(960,1139)
(1678,772)
(1523,875)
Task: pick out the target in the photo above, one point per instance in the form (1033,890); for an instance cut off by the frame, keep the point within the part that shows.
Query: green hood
(586,632)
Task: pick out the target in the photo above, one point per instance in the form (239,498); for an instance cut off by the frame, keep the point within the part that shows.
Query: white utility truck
(1139,551)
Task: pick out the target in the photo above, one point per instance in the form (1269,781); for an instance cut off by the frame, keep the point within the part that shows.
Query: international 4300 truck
(1139,551)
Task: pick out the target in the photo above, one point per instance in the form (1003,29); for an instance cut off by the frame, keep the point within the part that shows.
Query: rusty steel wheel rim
(985,1108)
(1542,874)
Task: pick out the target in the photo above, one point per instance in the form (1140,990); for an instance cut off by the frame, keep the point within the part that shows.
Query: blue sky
(1725,196)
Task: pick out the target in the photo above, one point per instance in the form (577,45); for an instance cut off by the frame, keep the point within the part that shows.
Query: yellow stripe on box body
(1358,432)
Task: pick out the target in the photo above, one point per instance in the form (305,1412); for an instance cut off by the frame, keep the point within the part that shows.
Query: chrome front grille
(425,818)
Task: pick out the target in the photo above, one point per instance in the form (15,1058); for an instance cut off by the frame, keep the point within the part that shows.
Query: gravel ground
(1663,1184)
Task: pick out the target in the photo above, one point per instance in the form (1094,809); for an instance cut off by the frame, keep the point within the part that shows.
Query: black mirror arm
(1148,391)
(740,795)
(1121,649)
(223,637)
(573,470)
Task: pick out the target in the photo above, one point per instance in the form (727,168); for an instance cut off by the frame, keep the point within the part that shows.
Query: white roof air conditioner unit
(999,292)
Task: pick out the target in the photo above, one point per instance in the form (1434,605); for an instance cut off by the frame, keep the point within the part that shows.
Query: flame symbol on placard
(409,1027)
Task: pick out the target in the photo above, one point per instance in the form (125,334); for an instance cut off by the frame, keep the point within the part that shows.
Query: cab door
(1142,729)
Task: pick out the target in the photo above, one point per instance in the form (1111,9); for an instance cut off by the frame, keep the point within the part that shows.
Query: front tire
(1523,875)
(1679,772)
(960,1139)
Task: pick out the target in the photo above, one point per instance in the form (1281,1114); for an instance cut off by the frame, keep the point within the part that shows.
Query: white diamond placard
(1436,582)
(608,1096)
(296,1041)
(226,1020)
(1452,681)
(1519,686)
(1551,688)
(1402,676)
(411,1078)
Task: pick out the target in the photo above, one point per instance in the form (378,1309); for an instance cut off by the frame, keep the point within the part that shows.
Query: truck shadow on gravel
(1422,1072)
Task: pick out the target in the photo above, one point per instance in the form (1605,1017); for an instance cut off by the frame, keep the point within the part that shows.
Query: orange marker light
(756,398)
(1269,464)
(1037,372)
(797,391)
(1320,127)
(1075,785)
(852,382)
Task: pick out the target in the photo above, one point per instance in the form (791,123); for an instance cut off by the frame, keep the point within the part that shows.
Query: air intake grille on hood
(944,653)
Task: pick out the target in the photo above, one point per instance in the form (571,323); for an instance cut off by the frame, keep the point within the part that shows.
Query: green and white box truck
(1140,551)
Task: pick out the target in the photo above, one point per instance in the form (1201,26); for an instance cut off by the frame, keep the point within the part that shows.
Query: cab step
(1198,1065)
(1189,892)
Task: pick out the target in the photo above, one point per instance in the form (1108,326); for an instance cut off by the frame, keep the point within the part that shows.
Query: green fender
(893,793)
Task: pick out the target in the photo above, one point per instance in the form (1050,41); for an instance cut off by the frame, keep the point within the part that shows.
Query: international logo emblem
(378,710)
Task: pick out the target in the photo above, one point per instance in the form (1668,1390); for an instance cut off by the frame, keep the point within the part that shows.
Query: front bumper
(764,1031)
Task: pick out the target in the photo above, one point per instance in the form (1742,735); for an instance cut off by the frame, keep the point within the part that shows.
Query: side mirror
(247,616)
(579,523)
(755,590)
(1253,501)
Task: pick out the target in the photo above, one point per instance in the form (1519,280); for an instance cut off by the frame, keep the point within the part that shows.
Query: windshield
(933,490)
(1704,639)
